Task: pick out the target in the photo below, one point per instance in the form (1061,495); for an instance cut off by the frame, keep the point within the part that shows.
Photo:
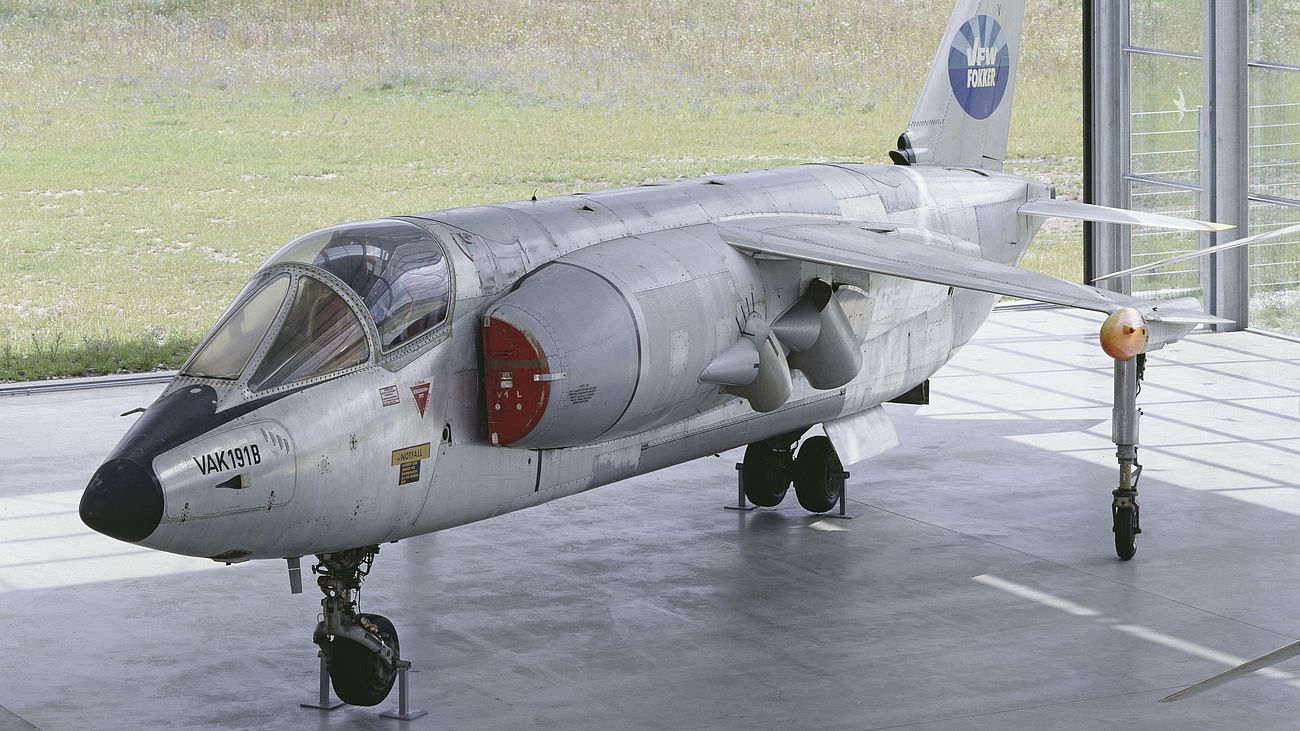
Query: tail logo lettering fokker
(979,64)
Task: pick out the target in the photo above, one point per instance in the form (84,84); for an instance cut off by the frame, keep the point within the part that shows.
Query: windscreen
(395,267)
(320,335)
(227,350)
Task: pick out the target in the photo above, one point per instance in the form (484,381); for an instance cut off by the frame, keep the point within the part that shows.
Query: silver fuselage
(328,475)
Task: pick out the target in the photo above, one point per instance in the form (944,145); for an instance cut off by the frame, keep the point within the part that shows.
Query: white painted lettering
(981,78)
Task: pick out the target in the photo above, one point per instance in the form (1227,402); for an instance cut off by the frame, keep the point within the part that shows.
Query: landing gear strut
(1125,512)
(361,650)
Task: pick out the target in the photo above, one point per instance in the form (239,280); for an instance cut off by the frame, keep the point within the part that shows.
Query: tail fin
(962,117)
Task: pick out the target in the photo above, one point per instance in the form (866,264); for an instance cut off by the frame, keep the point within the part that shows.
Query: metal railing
(1163,172)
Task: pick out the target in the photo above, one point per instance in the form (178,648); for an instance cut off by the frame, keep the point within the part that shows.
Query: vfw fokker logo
(979,63)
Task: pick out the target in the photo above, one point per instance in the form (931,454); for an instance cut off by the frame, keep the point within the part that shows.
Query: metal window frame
(1224,159)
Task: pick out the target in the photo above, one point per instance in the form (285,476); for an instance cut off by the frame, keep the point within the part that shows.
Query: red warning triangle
(421,393)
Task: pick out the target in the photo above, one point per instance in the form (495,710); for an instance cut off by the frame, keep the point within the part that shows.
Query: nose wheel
(362,652)
(362,677)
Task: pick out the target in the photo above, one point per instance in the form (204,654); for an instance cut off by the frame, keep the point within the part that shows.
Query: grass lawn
(155,153)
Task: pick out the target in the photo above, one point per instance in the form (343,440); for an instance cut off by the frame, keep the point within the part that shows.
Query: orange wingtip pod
(1124,334)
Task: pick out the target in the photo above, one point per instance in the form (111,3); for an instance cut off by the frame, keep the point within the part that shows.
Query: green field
(153,154)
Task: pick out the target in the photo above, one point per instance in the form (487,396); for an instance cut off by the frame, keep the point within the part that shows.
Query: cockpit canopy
(397,271)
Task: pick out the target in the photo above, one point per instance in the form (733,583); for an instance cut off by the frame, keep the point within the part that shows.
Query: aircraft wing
(874,248)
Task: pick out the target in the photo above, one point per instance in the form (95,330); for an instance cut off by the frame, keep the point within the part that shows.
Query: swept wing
(882,250)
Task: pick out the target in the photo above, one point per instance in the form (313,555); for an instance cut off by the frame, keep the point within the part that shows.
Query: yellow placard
(411,454)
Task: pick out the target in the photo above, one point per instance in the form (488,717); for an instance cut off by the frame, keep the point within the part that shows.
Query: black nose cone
(123,500)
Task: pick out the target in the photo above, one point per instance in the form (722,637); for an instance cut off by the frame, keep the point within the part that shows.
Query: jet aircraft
(380,380)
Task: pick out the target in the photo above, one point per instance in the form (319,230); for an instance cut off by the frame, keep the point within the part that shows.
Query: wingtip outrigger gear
(1125,512)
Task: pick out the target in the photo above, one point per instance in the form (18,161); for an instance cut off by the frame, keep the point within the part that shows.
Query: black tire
(359,677)
(1125,532)
(817,483)
(766,474)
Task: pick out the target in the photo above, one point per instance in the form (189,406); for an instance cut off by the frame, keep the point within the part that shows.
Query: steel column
(1226,276)
(1108,246)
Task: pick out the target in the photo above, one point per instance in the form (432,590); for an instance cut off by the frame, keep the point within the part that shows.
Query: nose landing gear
(361,650)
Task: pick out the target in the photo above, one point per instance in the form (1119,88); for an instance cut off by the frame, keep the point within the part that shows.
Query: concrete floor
(978,589)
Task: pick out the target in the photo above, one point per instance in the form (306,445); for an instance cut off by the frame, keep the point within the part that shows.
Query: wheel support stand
(1125,415)
(325,703)
(843,477)
(403,711)
(742,504)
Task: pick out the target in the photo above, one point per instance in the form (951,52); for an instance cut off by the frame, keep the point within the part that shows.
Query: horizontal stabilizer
(1204,252)
(1073,210)
(865,248)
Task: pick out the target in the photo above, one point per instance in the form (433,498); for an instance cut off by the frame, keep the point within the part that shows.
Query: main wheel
(359,677)
(817,481)
(766,474)
(1125,532)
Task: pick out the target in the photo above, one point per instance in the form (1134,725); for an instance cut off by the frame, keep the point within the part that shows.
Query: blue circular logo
(979,64)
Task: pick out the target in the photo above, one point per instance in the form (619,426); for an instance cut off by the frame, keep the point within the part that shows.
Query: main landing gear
(770,466)
(1125,513)
(361,650)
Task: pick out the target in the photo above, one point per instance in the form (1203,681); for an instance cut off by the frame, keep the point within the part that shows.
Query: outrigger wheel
(1126,529)
(361,650)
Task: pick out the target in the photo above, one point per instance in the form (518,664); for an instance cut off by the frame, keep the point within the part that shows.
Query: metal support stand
(843,477)
(1125,415)
(741,503)
(325,703)
(403,712)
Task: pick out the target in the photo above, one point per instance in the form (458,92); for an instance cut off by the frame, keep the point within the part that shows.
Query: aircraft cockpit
(301,316)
